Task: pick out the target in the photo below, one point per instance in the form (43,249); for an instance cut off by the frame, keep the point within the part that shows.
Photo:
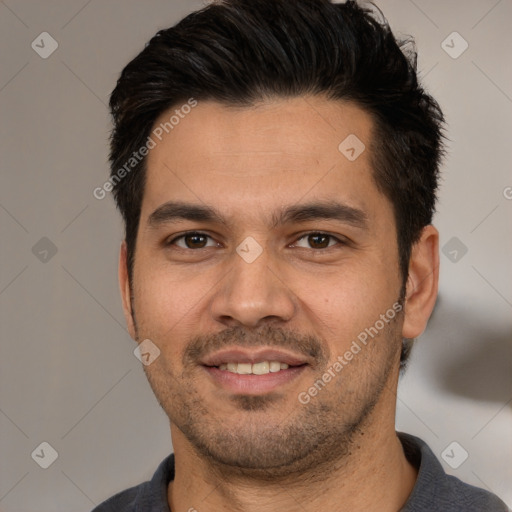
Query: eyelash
(304,235)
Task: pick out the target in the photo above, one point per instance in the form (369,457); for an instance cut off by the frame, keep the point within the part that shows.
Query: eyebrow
(330,210)
(173,211)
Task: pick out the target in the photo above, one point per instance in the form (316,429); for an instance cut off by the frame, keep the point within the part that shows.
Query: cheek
(342,305)
(166,299)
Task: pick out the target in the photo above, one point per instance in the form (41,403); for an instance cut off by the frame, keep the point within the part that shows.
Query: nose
(253,293)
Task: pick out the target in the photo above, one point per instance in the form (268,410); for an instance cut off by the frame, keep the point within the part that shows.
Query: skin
(311,296)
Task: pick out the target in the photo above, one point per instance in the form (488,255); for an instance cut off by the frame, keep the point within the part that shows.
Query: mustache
(308,345)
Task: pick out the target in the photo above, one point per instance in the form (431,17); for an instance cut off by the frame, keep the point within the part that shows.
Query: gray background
(68,373)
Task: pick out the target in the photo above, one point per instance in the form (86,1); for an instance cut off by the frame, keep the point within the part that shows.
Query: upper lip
(238,355)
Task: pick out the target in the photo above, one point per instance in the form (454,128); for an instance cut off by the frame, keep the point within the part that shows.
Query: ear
(124,284)
(422,283)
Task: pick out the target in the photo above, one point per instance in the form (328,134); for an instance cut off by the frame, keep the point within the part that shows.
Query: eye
(317,241)
(192,240)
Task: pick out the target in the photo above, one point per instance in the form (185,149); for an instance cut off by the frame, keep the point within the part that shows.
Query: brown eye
(193,241)
(317,241)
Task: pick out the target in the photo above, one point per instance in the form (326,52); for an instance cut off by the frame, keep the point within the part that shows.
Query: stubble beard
(262,444)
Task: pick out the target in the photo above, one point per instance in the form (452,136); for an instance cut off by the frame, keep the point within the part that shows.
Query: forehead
(250,159)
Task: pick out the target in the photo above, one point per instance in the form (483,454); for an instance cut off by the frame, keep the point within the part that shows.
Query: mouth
(242,372)
(261,368)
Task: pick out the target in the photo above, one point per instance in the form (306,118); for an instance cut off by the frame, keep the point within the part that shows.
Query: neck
(373,475)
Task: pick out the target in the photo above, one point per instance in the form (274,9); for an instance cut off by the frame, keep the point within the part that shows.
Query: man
(276,165)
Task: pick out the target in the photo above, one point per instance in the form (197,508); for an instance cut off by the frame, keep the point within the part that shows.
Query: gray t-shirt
(434,491)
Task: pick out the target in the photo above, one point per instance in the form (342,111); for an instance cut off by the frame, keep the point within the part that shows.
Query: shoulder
(150,496)
(472,498)
(123,501)
(435,490)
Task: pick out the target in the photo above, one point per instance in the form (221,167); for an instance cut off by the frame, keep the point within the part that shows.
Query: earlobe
(124,285)
(422,283)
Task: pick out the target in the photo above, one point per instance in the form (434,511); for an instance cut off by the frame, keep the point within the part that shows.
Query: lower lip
(253,384)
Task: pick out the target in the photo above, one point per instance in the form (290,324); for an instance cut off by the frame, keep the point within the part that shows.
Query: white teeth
(244,368)
(260,368)
(275,366)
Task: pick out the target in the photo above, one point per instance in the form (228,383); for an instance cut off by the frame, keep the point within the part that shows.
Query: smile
(239,370)
(260,368)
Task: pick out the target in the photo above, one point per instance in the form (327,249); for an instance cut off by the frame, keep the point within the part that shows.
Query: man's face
(296,259)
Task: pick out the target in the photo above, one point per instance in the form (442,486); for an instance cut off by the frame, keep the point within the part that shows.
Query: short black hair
(240,52)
